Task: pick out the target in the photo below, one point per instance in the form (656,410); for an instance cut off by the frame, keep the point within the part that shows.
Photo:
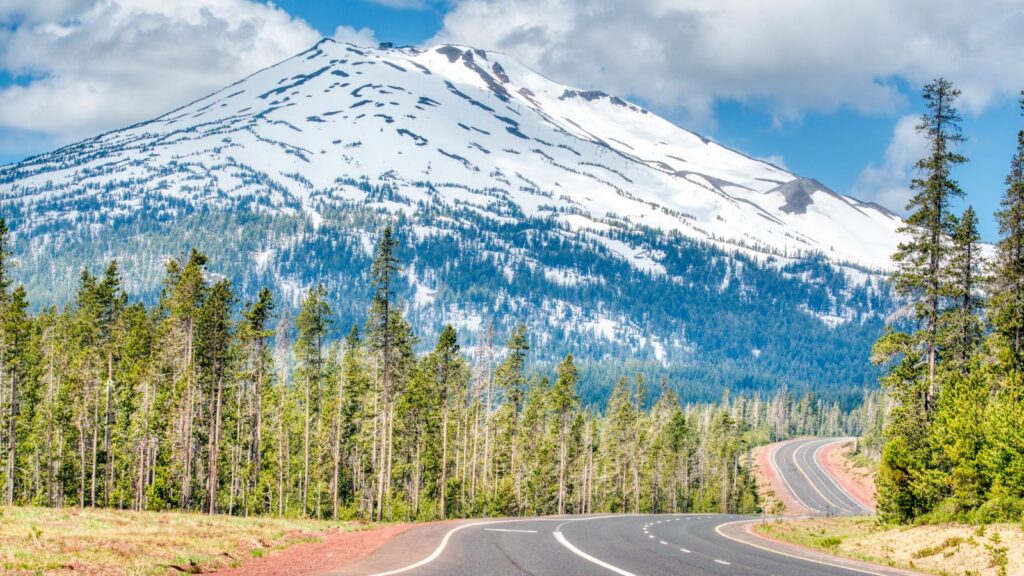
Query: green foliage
(199,403)
(954,441)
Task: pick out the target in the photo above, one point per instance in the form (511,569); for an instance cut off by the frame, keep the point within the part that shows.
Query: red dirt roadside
(335,551)
(768,479)
(857,481)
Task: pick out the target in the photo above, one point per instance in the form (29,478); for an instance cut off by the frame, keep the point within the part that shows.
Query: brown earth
(770,485)
(335,551)
(858,481)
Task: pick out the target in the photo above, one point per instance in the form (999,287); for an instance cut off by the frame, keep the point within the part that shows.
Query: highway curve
(631,545)
(798,466)
(628,545)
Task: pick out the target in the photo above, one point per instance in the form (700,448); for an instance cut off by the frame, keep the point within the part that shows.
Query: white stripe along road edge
(510,530)
(561,540)
(718,529)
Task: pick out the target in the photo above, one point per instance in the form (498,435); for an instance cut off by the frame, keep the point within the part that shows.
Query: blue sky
(799,85)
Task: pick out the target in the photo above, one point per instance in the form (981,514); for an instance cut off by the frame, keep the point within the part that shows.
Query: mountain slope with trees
(608,231)
(207,402)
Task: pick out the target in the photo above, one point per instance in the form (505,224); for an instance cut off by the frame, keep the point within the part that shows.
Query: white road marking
(561,540)
(447,536)
(718,529)
(778,470)
(722,562)
(796,461)
(510,530)
(685,551)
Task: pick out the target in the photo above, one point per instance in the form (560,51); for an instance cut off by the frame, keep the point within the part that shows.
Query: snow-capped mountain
(518,196)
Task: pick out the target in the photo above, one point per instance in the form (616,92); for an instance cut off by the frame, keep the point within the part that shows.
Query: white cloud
(888,183)
(790,56)
(402,4)
(104,64)
(360,37)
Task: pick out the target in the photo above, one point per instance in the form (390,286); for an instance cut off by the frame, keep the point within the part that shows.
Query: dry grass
(945,550)
(100,542)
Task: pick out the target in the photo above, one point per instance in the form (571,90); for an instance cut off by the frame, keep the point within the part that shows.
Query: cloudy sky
(828,89)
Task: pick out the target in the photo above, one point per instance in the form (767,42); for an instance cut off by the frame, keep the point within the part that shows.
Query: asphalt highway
(627,545)
(809,483)
(630,545)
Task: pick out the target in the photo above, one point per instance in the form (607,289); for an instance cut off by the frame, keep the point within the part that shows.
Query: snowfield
(463,127)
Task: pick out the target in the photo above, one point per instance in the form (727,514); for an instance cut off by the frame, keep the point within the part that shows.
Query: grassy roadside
(116,542)
(944,550)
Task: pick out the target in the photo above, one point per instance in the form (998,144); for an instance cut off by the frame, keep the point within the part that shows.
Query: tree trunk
(11,438)
(213,480)
(108,467)
(443,488)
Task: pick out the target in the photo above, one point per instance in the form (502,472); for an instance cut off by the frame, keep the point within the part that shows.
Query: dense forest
(202,402)
(954,443)
(746,319)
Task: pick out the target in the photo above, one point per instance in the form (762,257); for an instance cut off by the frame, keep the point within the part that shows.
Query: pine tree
(312,325)
(14,328)
(907,484)
(564,403)
(1006,307)
(214,359)
(184,293)
(255,373)
(1003,455)
(921,258)
(449,376)
(510,380)
(390,339)
(961,327)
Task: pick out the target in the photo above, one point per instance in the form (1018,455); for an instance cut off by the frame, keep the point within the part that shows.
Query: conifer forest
(204,403)
(954,441)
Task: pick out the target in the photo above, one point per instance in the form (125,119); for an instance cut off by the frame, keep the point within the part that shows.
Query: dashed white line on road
(663,542)
(722,562)
(685,551)
(510,530)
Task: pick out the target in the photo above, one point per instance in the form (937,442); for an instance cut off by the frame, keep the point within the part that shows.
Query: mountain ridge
(566,199)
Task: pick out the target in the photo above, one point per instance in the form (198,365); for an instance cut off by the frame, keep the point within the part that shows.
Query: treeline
(197,403)
(954,444)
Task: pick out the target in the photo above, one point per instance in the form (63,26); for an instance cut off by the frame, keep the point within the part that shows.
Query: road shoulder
(770,484)
(334,551)
(746,532)
(856,481)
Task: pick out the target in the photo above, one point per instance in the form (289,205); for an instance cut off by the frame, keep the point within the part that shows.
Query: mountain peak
(572,209)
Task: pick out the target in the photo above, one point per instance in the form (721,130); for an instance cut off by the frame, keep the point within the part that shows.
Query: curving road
(630,545)
(627,545)
(799,469)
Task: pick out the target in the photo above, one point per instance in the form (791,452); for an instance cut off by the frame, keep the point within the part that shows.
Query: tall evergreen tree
(215,363)
(256,374)
(920,259)
(906,482)
(1006,306)
(961,326)
(564,404)
(311,326)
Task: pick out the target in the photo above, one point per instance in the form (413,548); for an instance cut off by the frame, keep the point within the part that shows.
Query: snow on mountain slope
(462,127)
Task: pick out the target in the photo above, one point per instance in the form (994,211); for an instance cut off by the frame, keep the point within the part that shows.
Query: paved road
(797,465)
(628,545)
